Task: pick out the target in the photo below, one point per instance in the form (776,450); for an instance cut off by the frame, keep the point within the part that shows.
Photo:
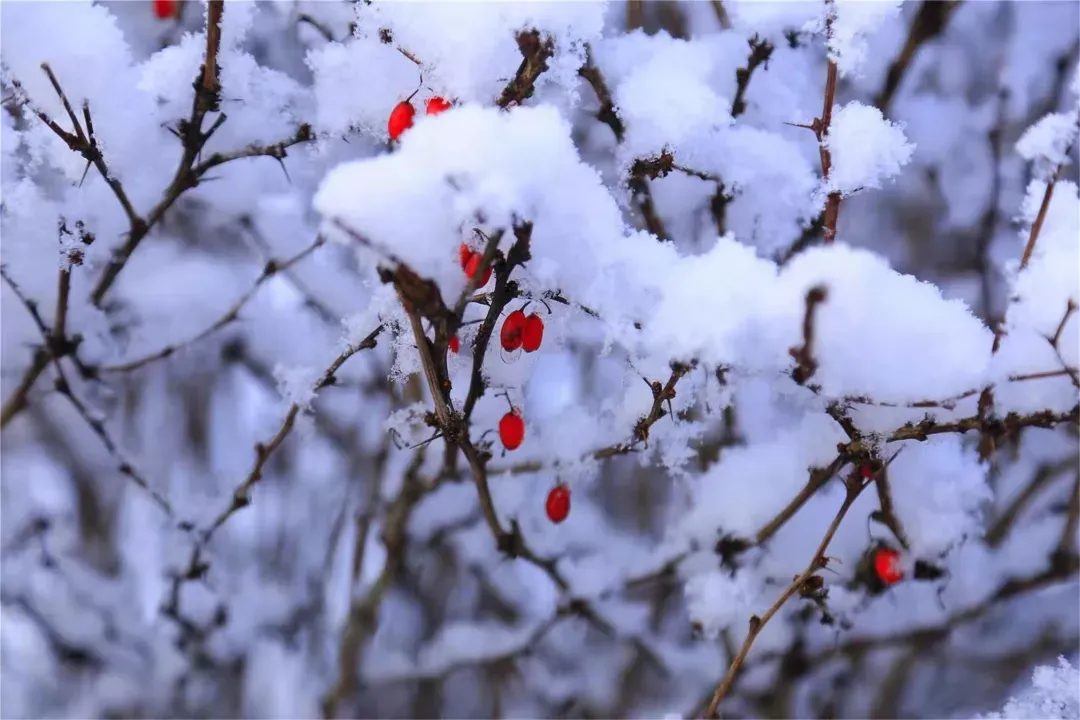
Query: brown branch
(527,645)
(85,143)
(241,496)
(992,428)
(1055,342)
(760,52)
(1040,218)
(270,270)
(950,402)
(855,450)
(721,14)
(455,426)
(185,177)
(822,125)
(1067,544)
(887,510)
(1045,473)
(1063,570)
(363,610)
(96,424)
(826,222)
(207,98)
(854,488)
(930,21)
(606,114)
(986,399)
(277,151)
(18,400)
(56,341)
(806,365)
(818,478)
(536,52)
(505,290)
(637,182)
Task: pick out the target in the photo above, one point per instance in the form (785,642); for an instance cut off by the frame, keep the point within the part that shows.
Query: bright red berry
(464,253)
(473,265)
(558,503)
(532,333)
(513,329)
(887,565)
(164,9)
(455,344)
(511,430)
(401,119)
(437,105)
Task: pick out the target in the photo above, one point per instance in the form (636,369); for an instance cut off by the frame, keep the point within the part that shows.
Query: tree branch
(271,269)
(855,486)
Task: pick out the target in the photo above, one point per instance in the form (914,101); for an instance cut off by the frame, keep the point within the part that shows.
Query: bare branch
(242,494)
(804,356)
(271,269)
(854,488)
(930,21)
(536,52)
(63,386)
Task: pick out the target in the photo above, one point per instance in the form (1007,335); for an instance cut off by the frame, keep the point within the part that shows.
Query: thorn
(84,172)
(281,162)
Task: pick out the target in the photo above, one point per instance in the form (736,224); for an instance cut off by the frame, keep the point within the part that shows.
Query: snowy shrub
(539,359)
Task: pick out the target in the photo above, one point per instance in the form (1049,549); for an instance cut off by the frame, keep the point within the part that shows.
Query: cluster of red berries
(518,331)
(521,331)
(470,263)
(403,114)
(164,9)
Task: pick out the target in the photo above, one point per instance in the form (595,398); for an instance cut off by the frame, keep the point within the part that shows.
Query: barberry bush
(540,359)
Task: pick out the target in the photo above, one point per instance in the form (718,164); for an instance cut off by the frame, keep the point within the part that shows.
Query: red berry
(866,471)
(532,334)
(455,344)
(558,503)
(437,105)
(164,9)
(464,253)
(886,565)
(512,330)
(473,265)
(401,119)
(511,430)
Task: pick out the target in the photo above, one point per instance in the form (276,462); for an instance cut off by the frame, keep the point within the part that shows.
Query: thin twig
(270,270)
(360,623)
(930,21)
(241,496)
(806,364)
(535,55)
(757,624)
(63,386)
(207,91)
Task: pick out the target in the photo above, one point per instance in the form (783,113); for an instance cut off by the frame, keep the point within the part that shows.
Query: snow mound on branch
(471,64)
(866,149)
(1054,694)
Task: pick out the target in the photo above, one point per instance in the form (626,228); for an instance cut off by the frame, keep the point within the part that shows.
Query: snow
(852,28)
(866,149)
(1053,693)
(666,485)
(1048,142)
